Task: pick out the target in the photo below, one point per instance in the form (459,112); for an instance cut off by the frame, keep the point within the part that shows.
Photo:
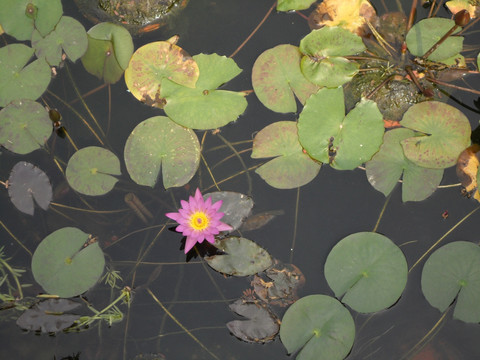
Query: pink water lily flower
(199,220)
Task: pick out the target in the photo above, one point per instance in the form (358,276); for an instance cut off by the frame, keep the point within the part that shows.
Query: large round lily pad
(387,165)
(291,167)
(424,34)
(452,272)
(319,327)
(90,171)
(63,266)
(158,143)
(20,17)
(277,79)
(368,270)
(155,61)
(69,35)
(445,134)
(19,80)
(28,182)
(329,136)
(204,107)
(242,257)
(24,126)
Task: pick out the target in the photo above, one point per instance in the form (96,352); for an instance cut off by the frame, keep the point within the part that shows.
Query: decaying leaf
(349,14)
(457,5)
(467,170)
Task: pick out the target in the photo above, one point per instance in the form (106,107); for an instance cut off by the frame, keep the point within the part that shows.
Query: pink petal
(189,244)
(173,215)
(185,204)
(210,239)
(208,203)
(224,227)
(217,205)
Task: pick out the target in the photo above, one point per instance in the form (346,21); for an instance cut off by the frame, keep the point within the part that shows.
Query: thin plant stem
(451,85)
(15,238)
(89,210)
(387,200)
(209,274)
(132,233)
(295,223)
(443,237)
(234,175)
(432,6)
(88,93)
(440,3)
(254,30)
(15,278)
(230,156)
(180,324)
(209,171)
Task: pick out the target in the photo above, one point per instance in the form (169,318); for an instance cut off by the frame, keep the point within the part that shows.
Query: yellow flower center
(199,221)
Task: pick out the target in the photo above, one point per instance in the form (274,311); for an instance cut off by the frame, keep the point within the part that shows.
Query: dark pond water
(332,206)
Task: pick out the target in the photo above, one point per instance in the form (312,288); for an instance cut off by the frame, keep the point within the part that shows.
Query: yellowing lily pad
(387,165)
(19,80)
(368,270)
(291,167)
(319,327)
(24,126)
(277,79)
(69,35)
(451,274)
(329,136)
(204,107)
(424,34)
(63,266)
(158,143)
(445,133)
(110,48)
(155,61)
(90,171)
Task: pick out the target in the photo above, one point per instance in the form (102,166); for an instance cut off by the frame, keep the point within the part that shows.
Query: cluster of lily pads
(366,271)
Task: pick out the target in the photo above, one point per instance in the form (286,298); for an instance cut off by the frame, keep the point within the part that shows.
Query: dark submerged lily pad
(27,182)
(235,206)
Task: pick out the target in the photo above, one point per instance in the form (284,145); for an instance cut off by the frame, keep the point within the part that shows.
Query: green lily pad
(323,63)
(110,48)
(331,137)
(277,79)
(288,5)
(445,134)
(291,167)
(63,266)
(319,327)
(28,182)
(450,273)
(158,143)
(425,33)
(89,171)
(368,270)
(20,17)
(68,35)
(155,61)
(19,80)
(204,107)
(387,165)
(24,126)
(242,257)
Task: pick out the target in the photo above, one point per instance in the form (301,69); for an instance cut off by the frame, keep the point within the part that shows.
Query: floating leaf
(368,270)
(467,170)
(155,61)
(89,171)
(24,126)
(235,206)
(20,17)
(110,48)
(204,107)
(158,143)
(277,79)
(27,182)
(49,316)
(323,63)
(446,133)
(291,167)
(68,35)
(259,220)
(262,324)
(19,80)
(331,137)
(319,327)
(287,5)
(387,165)
(450,273)
(242,257)
(425,33)
(63,266)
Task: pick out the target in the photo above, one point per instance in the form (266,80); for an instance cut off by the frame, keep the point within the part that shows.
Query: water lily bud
(462,18)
